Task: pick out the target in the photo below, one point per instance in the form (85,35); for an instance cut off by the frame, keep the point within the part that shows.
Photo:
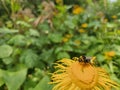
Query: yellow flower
(109,55)
(77,9)
(77,42)
(68,35)
(81,31)
(114,16)
(105,20)
(84,25)
(59,2)
(75,75)
(65,39)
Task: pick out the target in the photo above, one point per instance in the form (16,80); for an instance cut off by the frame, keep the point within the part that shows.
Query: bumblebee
(84,59)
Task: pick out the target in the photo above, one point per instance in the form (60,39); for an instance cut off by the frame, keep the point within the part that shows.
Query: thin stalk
(111,67)
(4,5)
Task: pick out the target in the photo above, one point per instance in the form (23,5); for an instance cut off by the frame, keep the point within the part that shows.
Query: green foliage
(17,40)
(35,35)
(43,84)
(29,58)
(6,51)
(14,80)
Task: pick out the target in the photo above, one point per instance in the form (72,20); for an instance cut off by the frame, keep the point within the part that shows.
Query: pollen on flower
(75,75)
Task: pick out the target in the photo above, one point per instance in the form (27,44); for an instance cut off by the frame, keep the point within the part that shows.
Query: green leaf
(56,37)
(43,84)
(58,49)
(23,23)
(111,25)
(67,48)
(33,32)
(70,24)
(5,51)
(1,77)
(47,56)
(5,30)
(114,77)
(7,60)
(14,80)
(63,48)
(29,57)
(63,55)
(44,26)
(41,41)
(15,6)
(18,40)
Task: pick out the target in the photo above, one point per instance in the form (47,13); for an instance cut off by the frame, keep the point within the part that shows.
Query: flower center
(83,75)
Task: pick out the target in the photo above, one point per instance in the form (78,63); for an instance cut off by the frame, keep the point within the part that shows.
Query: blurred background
(36,33)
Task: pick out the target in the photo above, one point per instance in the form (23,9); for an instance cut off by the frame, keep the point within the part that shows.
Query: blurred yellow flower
(75,75)
(77,42)
(77,9)
(55,13)
(100,14)
(81,31)
(68,35)
(114,17)
(84,25)
(109,55)
(65,39)
(105,20)
(118,31)
(59,2)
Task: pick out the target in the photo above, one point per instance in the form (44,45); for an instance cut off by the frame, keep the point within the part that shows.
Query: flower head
(105,20)
(114,17)
(77,9)
(67,37)
(81,31)
(59,2)
(77,42)
(109,55)
(84,25)
(75,75)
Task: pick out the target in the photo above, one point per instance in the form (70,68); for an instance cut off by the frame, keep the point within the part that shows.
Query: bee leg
(80,60)
(75,58)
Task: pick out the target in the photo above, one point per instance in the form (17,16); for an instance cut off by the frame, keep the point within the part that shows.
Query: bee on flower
(80,74)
